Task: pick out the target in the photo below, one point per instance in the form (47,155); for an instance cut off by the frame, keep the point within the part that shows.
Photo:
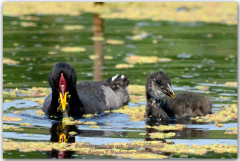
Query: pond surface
(203,55)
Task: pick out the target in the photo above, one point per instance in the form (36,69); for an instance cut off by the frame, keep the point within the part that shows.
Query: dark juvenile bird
(71,99)
(162,103)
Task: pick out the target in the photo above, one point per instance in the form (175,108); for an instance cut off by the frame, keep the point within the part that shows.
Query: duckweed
(137,89)
(228,113)
(73,27)
(134,113)
(72,133)
(115,42)
(11,119)
(221,12)
(231,84)
(26,124)
(159,135)
(96,127)
(10,127)
(232,131)
(31,92)
(71,121)
(167,127)
(9,61)
(39,112)
(73,49)
(124,66)
(145,59)
(123,150)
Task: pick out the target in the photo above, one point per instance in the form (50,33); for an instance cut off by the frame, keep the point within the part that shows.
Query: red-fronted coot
(71,99)
(162,103)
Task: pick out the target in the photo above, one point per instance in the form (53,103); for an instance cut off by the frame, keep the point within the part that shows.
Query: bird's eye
(158,81)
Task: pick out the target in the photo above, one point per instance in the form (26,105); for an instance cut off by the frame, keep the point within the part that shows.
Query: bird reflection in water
(60,133)
(185,133)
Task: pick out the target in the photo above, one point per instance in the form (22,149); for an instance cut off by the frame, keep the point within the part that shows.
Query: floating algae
(145,59)
(71,121)
(124,66)
(11,119)
(167,127)
(123,150)
(73,49)
(228,113)
(26,124)
(39,112)
(159,135)
(73,27)
(134,113)
(10,127)
(137,89)
(31,92)
(96,127)
(9,61)
(114,42)
(232,131)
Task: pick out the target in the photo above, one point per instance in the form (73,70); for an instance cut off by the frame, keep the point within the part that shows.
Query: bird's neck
(154,100)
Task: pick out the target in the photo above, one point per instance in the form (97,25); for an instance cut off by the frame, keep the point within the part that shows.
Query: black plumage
(162,103)
(85,97)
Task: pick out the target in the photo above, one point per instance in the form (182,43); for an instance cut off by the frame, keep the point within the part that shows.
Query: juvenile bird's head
(159,85)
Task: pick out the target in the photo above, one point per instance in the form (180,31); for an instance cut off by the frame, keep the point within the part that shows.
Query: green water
(201,53)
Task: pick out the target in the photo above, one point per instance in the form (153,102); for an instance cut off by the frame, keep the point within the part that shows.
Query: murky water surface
(202,55)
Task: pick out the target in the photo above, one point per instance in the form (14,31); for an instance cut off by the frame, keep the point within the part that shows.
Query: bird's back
(189,104)
(92,96)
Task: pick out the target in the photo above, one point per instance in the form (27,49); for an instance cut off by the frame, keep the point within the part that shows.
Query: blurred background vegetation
(218,12)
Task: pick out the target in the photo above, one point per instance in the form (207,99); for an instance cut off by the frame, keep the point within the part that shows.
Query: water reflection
(98,30)
(60,134)
(180,134)
(185,133)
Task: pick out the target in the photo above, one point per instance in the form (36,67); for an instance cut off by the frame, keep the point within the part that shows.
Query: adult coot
(162,103)
(69,99)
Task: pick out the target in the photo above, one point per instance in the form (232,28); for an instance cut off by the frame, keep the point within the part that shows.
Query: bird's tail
(119,79)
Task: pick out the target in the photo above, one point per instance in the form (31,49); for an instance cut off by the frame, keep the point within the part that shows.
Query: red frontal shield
(62,85)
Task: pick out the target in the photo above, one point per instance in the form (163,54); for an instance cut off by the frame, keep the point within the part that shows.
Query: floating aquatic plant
(10,127)
(228,113)
(99,38)
(71,121)
(159,135)
(124,66)
(231,84)
(31,92)
(26,124)
(9,61)
(72,133)
(157,11)
(39,112)
(135,150)
(96,127)
(137,89)
(11,119)
(134,113)
(28,24)
(73,49)
(145,59)
(167,127)
(73,27)
(115,42)
(232,131)
(135,99)
(38,100)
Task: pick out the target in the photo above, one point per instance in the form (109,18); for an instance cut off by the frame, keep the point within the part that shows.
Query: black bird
(162,104)
(69,99)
